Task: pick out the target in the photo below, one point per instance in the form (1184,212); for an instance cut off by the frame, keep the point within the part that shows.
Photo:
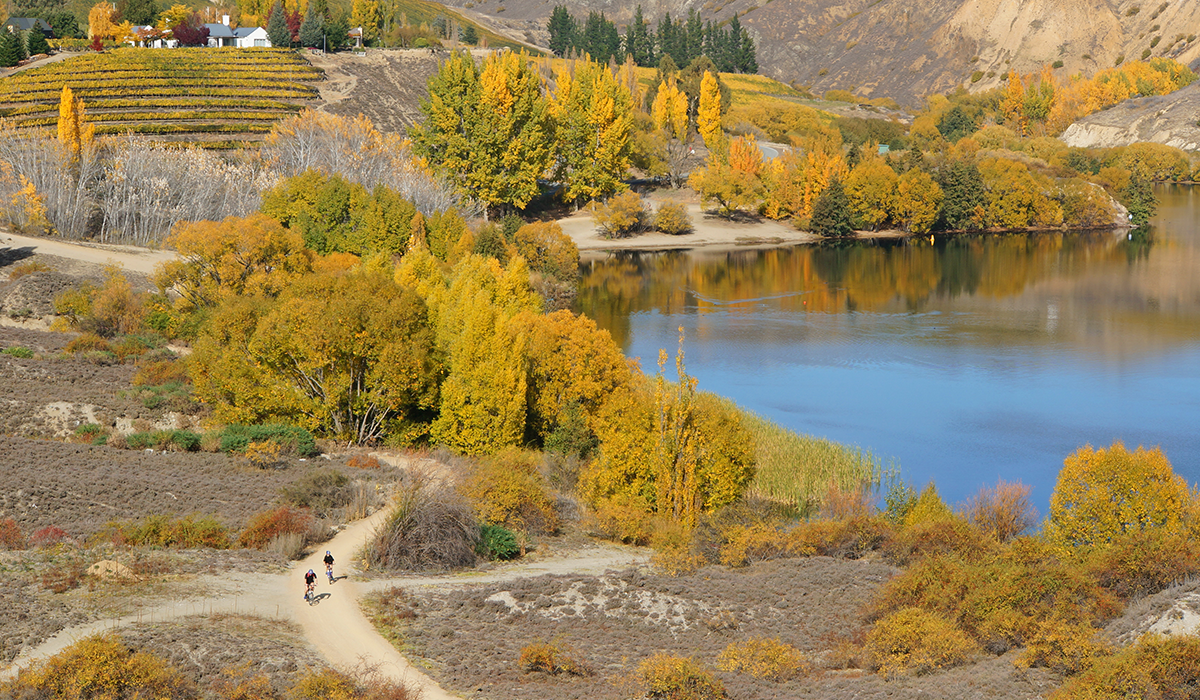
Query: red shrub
(47,536)
(270,524)
(10,535)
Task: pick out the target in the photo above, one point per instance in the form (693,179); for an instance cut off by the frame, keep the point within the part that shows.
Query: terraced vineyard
(213,97)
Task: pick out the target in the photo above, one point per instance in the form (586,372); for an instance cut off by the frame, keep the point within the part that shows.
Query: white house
(242,37)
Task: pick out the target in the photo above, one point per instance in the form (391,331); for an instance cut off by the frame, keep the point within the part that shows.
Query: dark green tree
(37,42)
(955,124)
(831,215)
(10,50)
(638,42)
(321,7)
(23,43)
(562,28)
(140,12)
(689,82)
(747,56)
(63,24)
(962,195)
(337,33)
(1139,199)
(312,29)
(277,27)
(469,35)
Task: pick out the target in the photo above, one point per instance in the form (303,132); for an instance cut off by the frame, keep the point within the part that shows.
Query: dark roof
(219,31)
(244,31)
(27,23)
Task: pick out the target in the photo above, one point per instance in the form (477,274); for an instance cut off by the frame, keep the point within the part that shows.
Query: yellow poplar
(708,115)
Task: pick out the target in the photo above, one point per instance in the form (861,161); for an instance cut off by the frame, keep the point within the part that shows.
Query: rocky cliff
(1169,119)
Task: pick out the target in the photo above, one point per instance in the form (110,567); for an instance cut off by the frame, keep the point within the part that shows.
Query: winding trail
(336,626)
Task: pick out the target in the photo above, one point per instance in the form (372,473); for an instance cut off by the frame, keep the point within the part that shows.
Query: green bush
(236,438)
(320,489)
(17,351)
(179,440)
(497,543)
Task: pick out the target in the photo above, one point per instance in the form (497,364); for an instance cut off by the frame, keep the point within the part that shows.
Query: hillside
(1169,119)
(906,49)
(217,97)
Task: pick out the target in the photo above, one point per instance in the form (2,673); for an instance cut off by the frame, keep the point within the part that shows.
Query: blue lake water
(962,360)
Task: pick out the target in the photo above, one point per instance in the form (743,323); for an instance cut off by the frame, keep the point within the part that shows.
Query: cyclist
(329,565)
(310,584)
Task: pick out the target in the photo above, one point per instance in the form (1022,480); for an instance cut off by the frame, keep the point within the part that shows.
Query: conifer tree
(831,215)
(747,59)
(312,29)
(470,36)
(10,53)
(277,28)
(708,114)
(562,30)
(37,42)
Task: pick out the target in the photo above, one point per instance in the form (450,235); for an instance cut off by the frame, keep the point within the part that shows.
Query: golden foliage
(665,677)
(102,667)
(553,658)
(507,489)
(708,113)
(765,658)
(918,201)
(795,180)
(102,20)
(670,109)
(73,131)
(593,113)
(912,640)
(1102,494)
(871,188)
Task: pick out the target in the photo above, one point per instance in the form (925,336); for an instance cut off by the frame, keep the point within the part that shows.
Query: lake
(961,359)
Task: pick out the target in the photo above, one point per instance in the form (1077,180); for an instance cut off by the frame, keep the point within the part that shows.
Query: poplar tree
(670,109)
(487,130)
(708,114)
(73,133)
(593,117)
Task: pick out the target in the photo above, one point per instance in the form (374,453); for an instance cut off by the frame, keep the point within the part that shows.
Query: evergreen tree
(23,42)
(337,33)
(139,12)
(63,24)
(963,196)
(694,31)
(10,52)
(1140,200)
(831,215)
(599,38)
(562,31)
(37,42)
(638,42)
(747,60)
(312,29)
(277,28)
(469,35)
(320,7)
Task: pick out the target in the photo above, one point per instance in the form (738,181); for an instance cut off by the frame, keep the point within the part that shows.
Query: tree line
(731,48)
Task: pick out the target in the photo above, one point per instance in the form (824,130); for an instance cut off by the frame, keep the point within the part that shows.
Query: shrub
(746,544)
(623,215)
(497,543)
(322,490)
(323,684)
(951,536)
(27,268)
(47,536)
(672,219)
(174,440)
(765,658)
(508,490)
(270,524)
(265,455)
(364,462)
(87,342)
(1154,667)
(848,538)
(91,433)
(161,531)
(665,677)
(1144,562)
(102,667)
(1004,511)
(17,351)
(1063,646)
(675,548)
(622,518)
(236,438)
(160,372)
(10,535)
(553,659)
(430,527)
(916,641)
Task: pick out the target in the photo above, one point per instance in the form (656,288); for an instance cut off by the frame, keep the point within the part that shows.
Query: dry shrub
(47,537)
(265,455)
(240,683)
(1063,646)
(10,535)
(850,538)
(1004,511)
(553,659)
(87,342)
(431,527)
(746,544)
(101,667)
(666,677)
(672,219)
(932,537)
(1143,562)
(162,531)
(912,640)
(765,658)
(1165,668)
(268,525)
(289,545)
(622,518)
(364,462)
(323,684)
(321,489)
(675,548)
(27,268)
(507,489)
(64,576)
(160,372)
(623,215)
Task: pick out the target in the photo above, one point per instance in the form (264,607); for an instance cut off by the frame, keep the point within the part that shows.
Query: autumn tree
(670,111)
(918,201)
(795,180)
(73,131)
(1103,494)
(733,179)
(488,130)
(1012,106)
(371,372)
(238,256)
(871,189)
(102,19)
(173,16)
(593,115)
(366,14)
(1015,197)
(708,114)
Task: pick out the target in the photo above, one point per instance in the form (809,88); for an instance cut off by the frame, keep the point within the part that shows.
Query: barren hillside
(906,49)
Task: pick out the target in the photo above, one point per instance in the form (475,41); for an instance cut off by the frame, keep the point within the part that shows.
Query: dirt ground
(387,85)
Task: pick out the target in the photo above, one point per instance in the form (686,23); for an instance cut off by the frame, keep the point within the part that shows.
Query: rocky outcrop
(1169,119)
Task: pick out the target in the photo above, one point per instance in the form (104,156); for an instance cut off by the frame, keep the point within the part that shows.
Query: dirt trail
(132,258)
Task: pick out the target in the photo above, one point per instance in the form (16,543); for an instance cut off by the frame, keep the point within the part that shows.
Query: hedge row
(182,128)
(106,84)
(72,79)
(297,92)
(118,117)
(93,106)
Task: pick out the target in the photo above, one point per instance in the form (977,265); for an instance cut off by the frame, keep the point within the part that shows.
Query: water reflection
(968,358)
